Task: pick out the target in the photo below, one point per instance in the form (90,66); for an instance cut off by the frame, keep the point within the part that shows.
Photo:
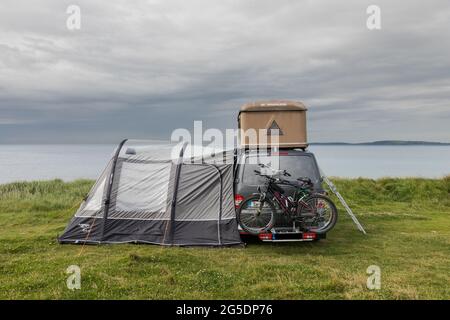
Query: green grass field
(407,220)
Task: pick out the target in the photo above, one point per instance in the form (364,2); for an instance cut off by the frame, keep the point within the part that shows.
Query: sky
(141,69)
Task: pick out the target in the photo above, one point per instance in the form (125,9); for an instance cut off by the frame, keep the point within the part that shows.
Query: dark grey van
(297,162)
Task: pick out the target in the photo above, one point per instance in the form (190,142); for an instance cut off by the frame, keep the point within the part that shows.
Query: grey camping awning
(163,194)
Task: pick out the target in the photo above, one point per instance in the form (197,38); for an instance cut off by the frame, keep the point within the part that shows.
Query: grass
(407,220)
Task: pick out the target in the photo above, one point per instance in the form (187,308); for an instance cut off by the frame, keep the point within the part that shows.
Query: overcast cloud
(140,69)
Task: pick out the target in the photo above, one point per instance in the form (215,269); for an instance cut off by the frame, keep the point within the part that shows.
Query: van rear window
(298,166)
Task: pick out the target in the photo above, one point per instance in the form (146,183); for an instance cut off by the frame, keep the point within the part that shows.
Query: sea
(70,161)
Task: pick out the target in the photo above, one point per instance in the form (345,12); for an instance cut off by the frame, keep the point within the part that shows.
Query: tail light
(309,235)
(265,236)
(238,200)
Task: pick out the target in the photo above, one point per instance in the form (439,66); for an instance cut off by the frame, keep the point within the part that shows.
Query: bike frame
(284,202)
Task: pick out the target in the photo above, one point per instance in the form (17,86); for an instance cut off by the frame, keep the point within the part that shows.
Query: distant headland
(385,143)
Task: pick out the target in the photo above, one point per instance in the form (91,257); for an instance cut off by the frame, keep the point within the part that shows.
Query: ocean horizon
(69,162)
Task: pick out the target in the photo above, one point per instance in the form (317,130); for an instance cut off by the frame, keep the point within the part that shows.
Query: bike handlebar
(304,180)
(265,175)
(284,172)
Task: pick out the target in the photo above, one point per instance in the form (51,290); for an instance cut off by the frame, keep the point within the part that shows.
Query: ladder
(342,200)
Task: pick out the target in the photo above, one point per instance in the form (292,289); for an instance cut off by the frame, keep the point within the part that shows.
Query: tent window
(95,202)
(142,187)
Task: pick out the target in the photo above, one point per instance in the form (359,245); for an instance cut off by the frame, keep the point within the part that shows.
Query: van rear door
(298,164)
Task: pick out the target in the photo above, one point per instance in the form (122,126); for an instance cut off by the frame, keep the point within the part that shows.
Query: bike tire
(255,230)
(334,213)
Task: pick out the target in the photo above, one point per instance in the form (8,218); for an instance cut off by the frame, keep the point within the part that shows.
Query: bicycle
(312,212)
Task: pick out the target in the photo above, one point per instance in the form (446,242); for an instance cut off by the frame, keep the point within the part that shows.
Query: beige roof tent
(284,119)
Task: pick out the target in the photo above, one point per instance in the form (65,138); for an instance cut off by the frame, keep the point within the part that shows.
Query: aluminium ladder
(342,200)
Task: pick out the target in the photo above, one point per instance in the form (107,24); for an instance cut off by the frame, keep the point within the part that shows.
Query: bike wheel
(255,216)
(319,213)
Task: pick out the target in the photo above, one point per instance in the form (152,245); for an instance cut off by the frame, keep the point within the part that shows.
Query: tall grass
(42,195)
(416,191)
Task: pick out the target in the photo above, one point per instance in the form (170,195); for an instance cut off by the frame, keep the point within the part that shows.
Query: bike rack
(291,234)
(342,200)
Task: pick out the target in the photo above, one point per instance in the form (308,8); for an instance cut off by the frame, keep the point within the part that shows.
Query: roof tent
(284,119)
(162,194)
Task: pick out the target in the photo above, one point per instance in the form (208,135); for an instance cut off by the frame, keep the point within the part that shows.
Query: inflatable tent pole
(175,193)
(109,187)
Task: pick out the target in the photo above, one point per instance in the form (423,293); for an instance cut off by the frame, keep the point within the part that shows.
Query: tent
(159,194)
(282,122)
